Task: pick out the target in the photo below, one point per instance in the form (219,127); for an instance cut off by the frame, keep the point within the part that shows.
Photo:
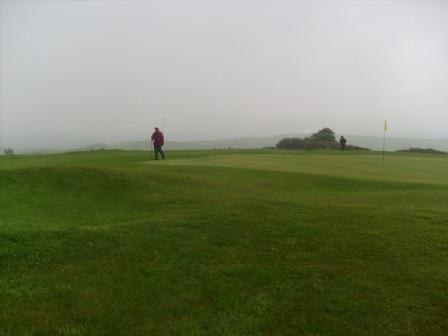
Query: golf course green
(224,242)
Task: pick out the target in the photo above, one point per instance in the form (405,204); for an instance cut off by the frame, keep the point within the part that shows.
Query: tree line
(322,139)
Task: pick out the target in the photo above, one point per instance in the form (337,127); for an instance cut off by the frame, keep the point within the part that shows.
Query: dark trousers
(157,150)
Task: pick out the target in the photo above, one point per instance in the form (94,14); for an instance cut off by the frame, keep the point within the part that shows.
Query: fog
(78,72)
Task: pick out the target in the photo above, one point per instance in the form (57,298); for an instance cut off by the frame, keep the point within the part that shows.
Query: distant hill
(374,143)
(97,146)
(239,143)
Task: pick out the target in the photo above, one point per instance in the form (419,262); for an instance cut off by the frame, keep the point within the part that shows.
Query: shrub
(422,150)
(8,151)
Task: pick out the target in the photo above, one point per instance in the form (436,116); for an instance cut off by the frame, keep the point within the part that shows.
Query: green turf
(224,243)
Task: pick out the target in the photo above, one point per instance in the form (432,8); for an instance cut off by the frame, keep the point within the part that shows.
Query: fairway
(224,242)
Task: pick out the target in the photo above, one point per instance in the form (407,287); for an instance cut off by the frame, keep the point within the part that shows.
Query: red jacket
(157,138)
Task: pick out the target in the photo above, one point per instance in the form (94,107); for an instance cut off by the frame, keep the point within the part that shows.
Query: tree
(325,134)
(8,151)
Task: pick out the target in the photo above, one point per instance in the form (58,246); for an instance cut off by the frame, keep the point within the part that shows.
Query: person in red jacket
(158,140)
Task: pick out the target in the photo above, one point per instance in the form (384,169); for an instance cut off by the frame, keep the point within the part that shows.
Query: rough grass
(219,243)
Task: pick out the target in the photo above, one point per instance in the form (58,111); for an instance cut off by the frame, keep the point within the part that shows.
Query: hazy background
(78,72)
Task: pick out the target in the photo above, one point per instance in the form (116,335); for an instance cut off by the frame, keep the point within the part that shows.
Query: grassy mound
(55,197)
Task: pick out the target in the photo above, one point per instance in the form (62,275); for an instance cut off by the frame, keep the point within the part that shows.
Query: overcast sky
(79,71)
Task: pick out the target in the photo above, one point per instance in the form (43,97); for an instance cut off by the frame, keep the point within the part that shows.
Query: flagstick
(384,138)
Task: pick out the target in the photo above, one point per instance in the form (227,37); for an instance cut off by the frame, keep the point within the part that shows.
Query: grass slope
(223,243)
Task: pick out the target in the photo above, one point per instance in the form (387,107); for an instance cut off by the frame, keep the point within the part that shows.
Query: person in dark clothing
(158,141)
(342,142)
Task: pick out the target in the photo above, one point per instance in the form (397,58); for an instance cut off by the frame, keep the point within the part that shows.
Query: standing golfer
(158,141)
(342,142)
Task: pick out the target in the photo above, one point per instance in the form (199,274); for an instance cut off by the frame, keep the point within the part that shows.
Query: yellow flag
(385,125)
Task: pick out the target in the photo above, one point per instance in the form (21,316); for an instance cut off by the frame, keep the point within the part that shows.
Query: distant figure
(158,141)
(342,142)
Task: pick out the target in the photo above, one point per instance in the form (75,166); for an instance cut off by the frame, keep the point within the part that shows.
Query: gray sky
(80,71)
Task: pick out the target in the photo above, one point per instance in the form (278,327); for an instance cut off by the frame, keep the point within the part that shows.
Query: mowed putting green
(397,168)
(259,242)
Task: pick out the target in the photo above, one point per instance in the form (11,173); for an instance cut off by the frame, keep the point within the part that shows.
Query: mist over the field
(79,72)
